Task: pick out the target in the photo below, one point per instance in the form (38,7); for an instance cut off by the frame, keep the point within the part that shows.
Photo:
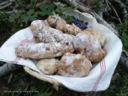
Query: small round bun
(89,45)
(48,66)
(74,65)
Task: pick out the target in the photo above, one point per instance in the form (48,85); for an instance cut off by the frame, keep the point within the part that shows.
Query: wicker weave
(44,78)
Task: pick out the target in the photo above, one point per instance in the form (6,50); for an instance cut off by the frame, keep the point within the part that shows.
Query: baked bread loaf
(57,22)
(36,26)
(43,33)
(74,65)
(96,34)
(88,44)
(48,66)
(72,29)
(43,50)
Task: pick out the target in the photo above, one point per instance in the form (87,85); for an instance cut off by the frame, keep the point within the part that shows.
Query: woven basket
(78,14)
(43,78)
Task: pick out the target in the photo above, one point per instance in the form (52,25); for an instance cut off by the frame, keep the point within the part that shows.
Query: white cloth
(100,75)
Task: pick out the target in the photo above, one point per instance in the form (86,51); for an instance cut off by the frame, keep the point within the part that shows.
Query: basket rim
(41,77)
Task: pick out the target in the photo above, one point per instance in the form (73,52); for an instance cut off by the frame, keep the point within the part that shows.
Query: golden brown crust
(88,44)
(97,35)
(48,66)
(72,29)
(36,26)
(43,50)
(56,22)
(46,34)
(60,24)
(75,65)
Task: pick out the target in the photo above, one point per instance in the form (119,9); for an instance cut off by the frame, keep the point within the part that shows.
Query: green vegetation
(123,31)
(32,13)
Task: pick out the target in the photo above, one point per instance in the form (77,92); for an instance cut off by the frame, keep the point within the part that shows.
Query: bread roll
(43,50)
(48,66)
(74,65)
(89,45)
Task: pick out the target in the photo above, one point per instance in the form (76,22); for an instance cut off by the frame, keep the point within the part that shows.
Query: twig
(6,68)
(114,11)
(77,4)
(101,20)
(124,61)
(4,6)
(10,78)
(122,5)
(3,3)
(125,53)
(14,11)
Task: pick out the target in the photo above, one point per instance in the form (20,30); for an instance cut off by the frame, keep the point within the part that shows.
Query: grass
(123,31)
